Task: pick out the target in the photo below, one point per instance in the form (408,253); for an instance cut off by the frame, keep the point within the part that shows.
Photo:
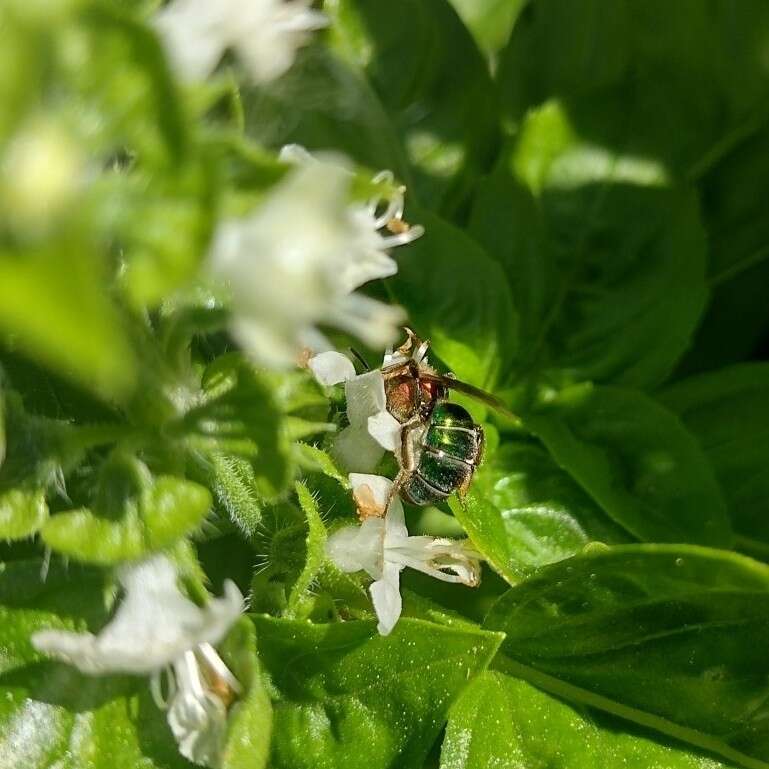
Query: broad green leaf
(443,103)
(54,303)
(132,514)
(738,274)
(238,416)
(728,412)
(504,722)
(489,21)
(350,698)
(522,512)
(682,78)
(457,297)
(605,258)
(670,636)
(315,548)
(637,461)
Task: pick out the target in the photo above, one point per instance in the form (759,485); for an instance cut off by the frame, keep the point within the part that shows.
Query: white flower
(286,266)
(372,429)
(382,547)
(265,34)
(368,258)
(158,630)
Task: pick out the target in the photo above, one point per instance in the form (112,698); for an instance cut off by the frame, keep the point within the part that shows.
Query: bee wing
(473,392)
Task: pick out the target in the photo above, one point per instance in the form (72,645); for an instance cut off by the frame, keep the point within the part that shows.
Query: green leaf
(669,636)
(678,90)
(728,412)
(322,102)
(606,260)
(315,459)
(458,299)
(237,489)
(239,416)
(522,512)
(434,84)
(351,698)
(738,234)
(249,722)
(54,303)
(489,21)
(637,461)
(38,455)
(133,514)
(22,513)
(176,218)
(315,547)
(504,722)
(120,72)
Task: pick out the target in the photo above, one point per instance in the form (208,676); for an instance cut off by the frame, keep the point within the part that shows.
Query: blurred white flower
(287,268)
(382,547)
(372,429)
(158,630)
(41,172)
(368,258)
(265,34)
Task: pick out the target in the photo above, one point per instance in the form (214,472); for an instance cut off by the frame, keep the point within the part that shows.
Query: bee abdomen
(451,449)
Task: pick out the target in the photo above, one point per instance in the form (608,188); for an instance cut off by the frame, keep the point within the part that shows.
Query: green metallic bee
(441,445)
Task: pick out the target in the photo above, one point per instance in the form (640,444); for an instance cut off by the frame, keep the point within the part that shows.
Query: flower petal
(386,597)
(358,548)
(365,397)
(331,368)
(385,429)
(153,626)
(355,450)
(197,717)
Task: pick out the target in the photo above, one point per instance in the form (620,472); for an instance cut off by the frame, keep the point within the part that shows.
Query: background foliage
(593,181)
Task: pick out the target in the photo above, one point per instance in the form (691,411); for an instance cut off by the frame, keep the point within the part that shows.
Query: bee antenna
(360,358)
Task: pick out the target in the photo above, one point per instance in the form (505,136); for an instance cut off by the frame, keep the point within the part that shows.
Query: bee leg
(407,459)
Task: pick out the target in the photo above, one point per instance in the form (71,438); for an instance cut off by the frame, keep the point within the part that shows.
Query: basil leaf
(604,254)
(669,636)
(637,461)
(679,90)
(503,721)
(444,107)
(350,698)
(489,21)
(738,274)
(522,512)
(458,298)
(728,412)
